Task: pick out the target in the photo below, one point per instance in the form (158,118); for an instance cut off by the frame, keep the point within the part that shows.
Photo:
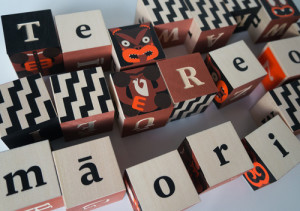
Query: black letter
(24,179)
(93,172)
(158,189)
(218,151)
(295,60)
(237,63)
(278,145)
(81,29)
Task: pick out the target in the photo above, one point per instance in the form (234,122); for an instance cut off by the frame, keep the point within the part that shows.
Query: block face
(33,164)
(276,146)
(142,99)
(189,83)
(26,112)
(135,45)
(243,12)
(84,39)
(165,186)
(32,43)
(171,19)
(273,20)
(293,31)
(91,169)
(83,102)
(212,25)
(219,153)
(235,71)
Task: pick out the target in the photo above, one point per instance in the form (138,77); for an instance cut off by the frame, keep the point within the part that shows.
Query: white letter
(29,30)
(191,77)
(212,40)
(166,36)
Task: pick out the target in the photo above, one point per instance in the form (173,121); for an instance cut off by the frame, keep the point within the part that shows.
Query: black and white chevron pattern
(166,11)
(211,14)
(240,5)
(24,103)
(81,94)
(191,107)
(287,98)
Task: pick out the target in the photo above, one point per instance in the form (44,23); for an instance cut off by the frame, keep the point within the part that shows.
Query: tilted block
(281,60)
(83,103)
(84,40)
(274,151)
(212,25)
(272,20)
(214,156)
(135,45)
(283,101)
(236,72)
(189,83)
(161,183)
(28,179)
(89,175)
(293,30)
(32,43)
(142,99)
(27,114)
(171,19)
(243,12)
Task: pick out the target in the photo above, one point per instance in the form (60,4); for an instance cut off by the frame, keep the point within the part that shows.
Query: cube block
(235,70)
(211,28)
(27,114)
(142,99)
(89,175)
(165,185)
(189,83)
(32,43)
(281,60)
(274,151)
(84,40)
(28,179)
(282,101)
(273,20)
(171,19)
(134,46)
(214,156)
(83,103)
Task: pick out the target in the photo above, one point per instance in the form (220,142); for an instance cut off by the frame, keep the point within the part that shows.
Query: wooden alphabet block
(134,46)
(142,99)
(28,179)
(282,101)
(243,12)
(274,151)
(171,19)
(89,175)
(214,156)
(32,43)
(27,114)
(235,70)
(293,31)
(84,40)
(211,27)
(189,83)
(83,103)
(281,60)
(272,20)
(161,183)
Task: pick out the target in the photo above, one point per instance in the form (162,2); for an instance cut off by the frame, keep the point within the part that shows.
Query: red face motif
(281,8)
(136,44)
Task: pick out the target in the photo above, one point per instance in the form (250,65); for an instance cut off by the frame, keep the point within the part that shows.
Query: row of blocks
(83,40)
(145,97)
(89,175)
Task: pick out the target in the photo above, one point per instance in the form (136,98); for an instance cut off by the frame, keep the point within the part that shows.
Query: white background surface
(235,195)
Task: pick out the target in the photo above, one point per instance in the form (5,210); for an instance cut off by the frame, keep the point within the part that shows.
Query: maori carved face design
(136,44)
(141,90)
(281,8)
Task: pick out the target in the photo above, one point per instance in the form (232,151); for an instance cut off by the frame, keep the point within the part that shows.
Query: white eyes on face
(146,39)
(125,43)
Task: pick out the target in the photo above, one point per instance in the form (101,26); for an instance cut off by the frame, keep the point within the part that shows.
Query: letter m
(165,36)
(24,179)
